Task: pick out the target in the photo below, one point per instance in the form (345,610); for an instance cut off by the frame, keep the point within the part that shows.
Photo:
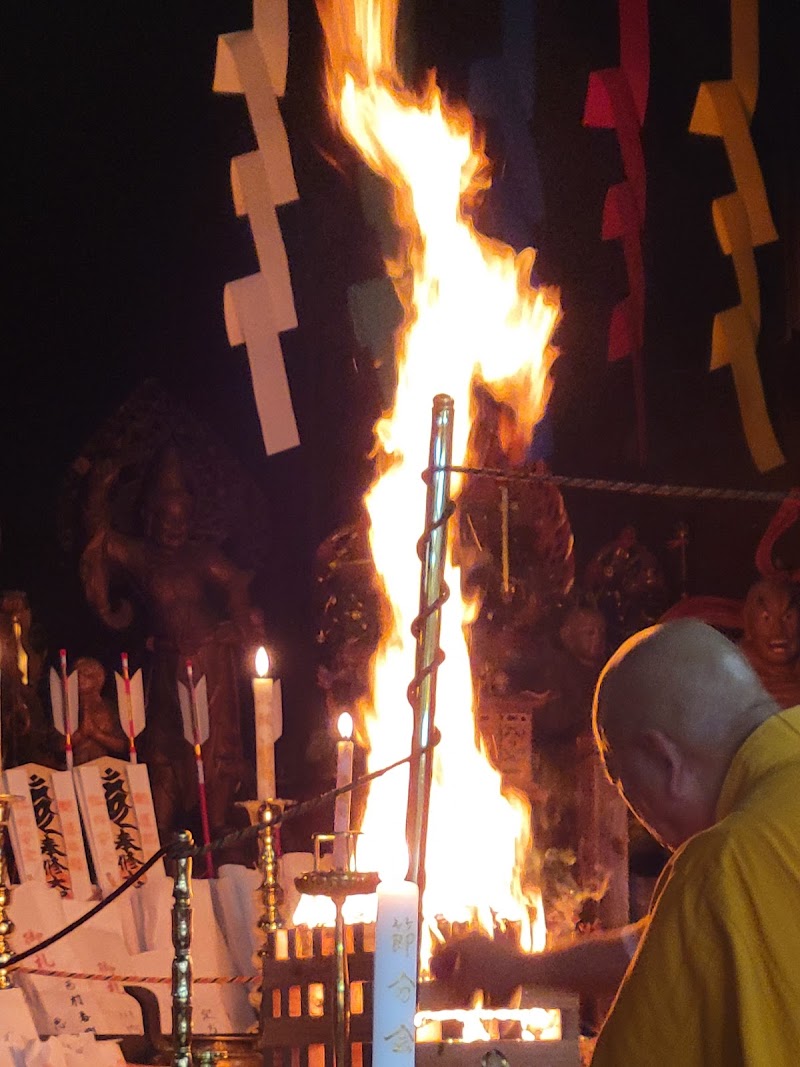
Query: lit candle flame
(262,662)
(345,725)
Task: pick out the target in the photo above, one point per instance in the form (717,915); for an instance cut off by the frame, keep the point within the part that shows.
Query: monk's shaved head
(683,677)
(677,693)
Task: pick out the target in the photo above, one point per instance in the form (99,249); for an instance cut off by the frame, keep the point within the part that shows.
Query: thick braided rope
(694,492)
(131,979)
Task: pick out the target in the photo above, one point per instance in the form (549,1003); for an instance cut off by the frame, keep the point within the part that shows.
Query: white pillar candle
(395,980)
(263,697)
(344,777)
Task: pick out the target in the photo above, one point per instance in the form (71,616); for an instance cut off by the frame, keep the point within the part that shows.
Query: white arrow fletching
(57,701)
(201,710)
(201,706)
(186,712)
(137,699)
(136,708)
(73,711)
(65,720)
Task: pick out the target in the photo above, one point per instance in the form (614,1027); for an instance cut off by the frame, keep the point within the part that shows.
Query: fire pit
(298,1009)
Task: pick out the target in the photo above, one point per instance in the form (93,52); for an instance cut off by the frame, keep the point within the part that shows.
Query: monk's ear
(664,757)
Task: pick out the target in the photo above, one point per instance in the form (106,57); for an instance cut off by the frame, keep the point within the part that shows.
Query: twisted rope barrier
(131,979)
(606,485)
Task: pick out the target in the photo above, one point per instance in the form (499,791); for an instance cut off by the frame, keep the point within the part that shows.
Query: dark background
(122,235)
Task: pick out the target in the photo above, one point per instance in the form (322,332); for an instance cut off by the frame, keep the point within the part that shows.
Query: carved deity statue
(99,732)
(197,606)
(625,580)
(771,638)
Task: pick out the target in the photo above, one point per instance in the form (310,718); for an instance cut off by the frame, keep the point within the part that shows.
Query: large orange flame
(471,315)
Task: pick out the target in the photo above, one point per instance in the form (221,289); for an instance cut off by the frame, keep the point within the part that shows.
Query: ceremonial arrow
(64,702)
(194,711)
(130,702)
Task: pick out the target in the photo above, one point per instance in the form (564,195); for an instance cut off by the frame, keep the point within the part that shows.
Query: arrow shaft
(66,714)
(129,705)
(201,773)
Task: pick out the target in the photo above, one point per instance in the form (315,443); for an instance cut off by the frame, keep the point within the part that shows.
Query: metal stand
(338,885)
(182,960)
(6,925)
(269,887)
(269,813)
(433,593)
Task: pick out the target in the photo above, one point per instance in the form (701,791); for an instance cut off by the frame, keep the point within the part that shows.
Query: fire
(471,316)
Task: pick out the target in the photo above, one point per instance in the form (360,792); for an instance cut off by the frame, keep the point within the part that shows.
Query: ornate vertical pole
(6,925)
(269,887)
(341,994)
(182,960)
(433,593)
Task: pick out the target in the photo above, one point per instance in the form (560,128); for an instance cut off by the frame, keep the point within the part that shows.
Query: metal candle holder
(338,884)
(6,925)
(267,813)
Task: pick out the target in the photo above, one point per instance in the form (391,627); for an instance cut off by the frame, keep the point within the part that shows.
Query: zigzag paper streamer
(734,344)
(249,321)
(617,99)
(742,221)
(260,307)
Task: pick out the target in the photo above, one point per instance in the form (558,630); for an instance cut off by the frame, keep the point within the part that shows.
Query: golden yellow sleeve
(714,983)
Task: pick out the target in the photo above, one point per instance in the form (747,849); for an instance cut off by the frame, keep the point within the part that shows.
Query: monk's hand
(474,962)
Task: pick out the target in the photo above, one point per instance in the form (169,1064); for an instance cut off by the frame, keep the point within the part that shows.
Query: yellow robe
(716,979)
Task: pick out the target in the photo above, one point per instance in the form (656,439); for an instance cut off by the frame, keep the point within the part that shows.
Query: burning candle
(344,777)
(263,698)
(395,980)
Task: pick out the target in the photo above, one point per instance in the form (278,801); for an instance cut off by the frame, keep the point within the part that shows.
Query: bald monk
(771,639)
(711,766)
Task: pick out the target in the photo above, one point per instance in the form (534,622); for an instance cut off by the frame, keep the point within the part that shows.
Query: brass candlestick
(267,812)
(6,925)
(271,893)
(182,960)
(338,885)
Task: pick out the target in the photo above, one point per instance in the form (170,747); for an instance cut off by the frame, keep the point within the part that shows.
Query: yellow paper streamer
(719,112)
(733,233)
(742,221)
(733,344)
(744,52)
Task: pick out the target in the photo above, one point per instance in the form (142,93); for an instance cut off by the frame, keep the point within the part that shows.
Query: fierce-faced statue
(198,608)
(771,639)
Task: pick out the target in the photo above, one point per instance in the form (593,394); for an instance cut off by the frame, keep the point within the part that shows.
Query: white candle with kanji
(395,979)
(344,777)
(263,698)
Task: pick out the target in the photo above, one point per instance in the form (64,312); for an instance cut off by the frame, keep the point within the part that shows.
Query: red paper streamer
(616,98)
